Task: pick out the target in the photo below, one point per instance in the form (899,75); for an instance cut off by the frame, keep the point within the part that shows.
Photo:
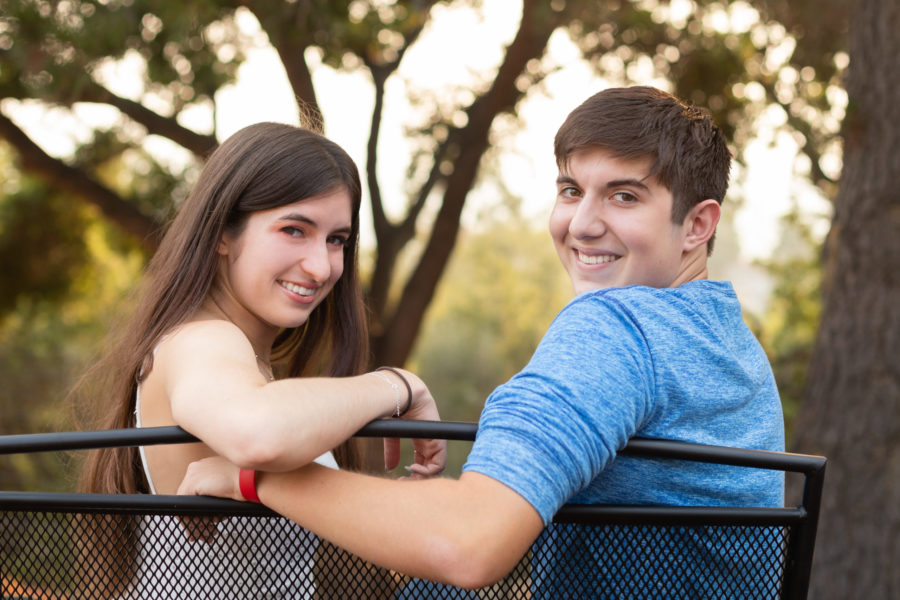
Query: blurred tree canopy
(736,58)
(740,59)
(754,63)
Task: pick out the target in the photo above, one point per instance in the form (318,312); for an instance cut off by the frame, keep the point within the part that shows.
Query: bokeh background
(107,110)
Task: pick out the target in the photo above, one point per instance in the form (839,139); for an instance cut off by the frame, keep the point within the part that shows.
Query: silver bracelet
(394,385)
(408,390)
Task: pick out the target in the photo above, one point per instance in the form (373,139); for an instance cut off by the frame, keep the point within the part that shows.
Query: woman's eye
(292,231)
(337,240)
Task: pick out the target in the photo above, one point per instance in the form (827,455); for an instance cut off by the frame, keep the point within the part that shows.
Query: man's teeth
(596,260)
(292,287)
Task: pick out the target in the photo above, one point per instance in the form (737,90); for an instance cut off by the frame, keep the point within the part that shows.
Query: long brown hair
(260,167)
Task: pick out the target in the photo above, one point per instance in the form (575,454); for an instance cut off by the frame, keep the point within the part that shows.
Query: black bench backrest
(588,552)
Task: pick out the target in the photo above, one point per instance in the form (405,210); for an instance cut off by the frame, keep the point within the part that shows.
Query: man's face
(612,224)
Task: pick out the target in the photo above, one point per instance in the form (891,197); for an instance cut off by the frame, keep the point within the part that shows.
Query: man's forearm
(467,532)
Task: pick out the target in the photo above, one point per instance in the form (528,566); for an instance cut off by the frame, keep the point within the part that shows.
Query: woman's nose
(316,262)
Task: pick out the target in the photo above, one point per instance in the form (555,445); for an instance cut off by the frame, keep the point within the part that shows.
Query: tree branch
(286,34)
(199,144)
(385,233)
(390,238)
(380,74)
(382,226)
(434,176)
(76,182)
(534,31)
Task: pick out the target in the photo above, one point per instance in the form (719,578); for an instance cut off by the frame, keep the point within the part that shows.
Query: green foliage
(52,48)
(41,244)
(737,59)
(369,30)
(45,344)
(789,327)
(135,174)
(44,234)
(36,367)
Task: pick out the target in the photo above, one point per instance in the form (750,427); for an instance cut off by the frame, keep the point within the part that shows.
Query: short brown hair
(690,154)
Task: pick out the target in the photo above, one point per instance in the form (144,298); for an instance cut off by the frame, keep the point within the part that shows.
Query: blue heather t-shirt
(673,363)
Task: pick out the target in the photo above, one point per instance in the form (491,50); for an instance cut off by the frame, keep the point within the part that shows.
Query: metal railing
(58,545)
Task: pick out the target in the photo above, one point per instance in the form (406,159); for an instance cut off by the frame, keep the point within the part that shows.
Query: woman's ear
(223,246)
(700,223)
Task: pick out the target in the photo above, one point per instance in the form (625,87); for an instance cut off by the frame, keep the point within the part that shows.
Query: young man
(648,347)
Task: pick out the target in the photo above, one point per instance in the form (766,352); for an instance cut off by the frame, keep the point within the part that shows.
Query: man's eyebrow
(297,217)
(638,183)
(632,182)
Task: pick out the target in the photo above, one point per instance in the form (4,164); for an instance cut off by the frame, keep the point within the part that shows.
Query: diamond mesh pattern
(60,555)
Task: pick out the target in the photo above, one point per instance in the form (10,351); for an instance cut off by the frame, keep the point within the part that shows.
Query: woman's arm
(217,393)
(468,532)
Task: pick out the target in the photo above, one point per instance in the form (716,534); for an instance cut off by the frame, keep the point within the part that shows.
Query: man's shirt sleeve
(554,426)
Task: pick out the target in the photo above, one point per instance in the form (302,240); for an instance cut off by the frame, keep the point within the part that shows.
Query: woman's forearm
(216,391)
(288,423)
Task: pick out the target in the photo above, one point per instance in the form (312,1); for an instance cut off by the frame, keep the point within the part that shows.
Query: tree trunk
(851,412)
(393,337)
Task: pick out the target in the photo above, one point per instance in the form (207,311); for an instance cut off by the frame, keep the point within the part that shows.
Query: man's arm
(468,532)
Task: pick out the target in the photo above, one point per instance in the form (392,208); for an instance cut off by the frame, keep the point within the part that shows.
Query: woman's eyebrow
(297,217)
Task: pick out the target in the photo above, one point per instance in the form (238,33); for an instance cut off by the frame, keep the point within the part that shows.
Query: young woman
(249,332)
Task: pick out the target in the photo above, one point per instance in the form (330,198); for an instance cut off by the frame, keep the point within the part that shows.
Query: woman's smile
(306,293)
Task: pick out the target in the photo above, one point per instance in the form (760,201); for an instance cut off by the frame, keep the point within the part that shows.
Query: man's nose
(588,220)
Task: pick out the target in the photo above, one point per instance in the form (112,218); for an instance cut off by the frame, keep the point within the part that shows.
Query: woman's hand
(213,476)
(430,456)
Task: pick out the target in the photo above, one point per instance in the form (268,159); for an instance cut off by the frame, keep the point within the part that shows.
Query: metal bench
(587,552)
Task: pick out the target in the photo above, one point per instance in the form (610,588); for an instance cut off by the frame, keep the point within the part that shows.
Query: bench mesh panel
(51,555)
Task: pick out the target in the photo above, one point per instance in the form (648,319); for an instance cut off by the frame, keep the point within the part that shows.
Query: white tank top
(279,554)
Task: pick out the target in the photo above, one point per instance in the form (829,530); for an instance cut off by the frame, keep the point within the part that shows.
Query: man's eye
(569,192)
(624,197)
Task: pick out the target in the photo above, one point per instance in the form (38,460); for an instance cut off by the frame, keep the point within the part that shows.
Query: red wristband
(247,483)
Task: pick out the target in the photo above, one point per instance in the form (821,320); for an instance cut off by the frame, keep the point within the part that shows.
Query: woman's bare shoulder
(206,337)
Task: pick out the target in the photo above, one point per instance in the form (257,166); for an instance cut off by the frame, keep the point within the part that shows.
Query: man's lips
(596,259)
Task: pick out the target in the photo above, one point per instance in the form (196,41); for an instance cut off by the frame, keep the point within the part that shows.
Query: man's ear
(700,223)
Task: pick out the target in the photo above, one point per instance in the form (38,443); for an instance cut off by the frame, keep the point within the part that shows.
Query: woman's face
(286,260)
